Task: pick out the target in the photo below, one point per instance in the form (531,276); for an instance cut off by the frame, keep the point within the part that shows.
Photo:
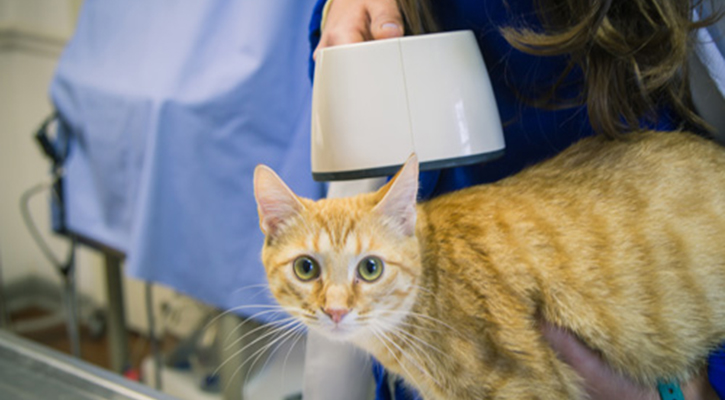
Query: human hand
(602,383)
(351,21)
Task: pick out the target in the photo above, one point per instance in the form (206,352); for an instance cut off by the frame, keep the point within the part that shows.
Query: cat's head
(347,267)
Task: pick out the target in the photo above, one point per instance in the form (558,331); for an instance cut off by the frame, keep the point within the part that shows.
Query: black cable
(45,142)
(66,268)
(35,233)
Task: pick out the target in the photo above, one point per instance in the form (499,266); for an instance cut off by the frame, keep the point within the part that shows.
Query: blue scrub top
(531,134)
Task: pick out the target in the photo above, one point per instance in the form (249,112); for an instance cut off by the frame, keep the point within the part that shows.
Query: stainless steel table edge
(78,368)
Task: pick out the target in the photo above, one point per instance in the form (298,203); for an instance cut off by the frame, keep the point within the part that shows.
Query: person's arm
(602,383)
(351,21)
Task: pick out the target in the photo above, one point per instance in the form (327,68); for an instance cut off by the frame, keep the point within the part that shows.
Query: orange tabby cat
(623,243)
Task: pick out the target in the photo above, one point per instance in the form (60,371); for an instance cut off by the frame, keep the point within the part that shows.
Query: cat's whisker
(299,335)
(269,326)
(239,308)
(256,356)
(381,335)
(251,318)
(261,337)
(277,343)
(253,331)
(411,325)
(271,331)
(298,328)
(266,291)
(259,285)
(258,353)
(419,340)
(419,351)
(398,333)
(426,317)
(415,362)
(382,339)
(308,318)
(239,368)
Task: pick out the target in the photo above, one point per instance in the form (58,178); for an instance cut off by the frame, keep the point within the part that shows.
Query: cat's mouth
(344,329)
(337,329)
(339,332)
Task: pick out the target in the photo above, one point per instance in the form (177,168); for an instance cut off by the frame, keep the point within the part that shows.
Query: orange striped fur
(621,242)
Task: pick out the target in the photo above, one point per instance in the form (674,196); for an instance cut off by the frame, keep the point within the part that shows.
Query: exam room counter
(29,371)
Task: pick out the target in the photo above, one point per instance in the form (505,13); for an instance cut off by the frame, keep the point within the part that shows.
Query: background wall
(32,36)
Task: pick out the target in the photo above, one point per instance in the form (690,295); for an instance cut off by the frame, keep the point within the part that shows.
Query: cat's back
(675,170)
(655,159)
(651,180)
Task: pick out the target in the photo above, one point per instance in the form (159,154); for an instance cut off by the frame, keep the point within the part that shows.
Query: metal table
(29,371)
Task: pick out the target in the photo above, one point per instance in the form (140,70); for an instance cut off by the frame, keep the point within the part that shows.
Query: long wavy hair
(632,54)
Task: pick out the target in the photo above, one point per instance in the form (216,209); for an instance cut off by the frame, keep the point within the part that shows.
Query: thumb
(386,22)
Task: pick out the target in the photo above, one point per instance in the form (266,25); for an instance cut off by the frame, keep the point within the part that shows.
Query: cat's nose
(336,314)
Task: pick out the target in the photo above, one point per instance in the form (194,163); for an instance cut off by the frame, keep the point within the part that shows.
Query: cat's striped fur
(621,242)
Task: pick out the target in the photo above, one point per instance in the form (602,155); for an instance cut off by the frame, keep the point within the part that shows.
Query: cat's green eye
(370,268)
(306,268)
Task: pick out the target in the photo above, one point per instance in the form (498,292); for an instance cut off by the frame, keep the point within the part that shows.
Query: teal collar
(670,391)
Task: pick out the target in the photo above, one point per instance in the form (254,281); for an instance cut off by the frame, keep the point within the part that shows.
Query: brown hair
(418,16)
(632,54)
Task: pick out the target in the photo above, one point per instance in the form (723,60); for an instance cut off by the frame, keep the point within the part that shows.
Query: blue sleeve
(382,390)
(716,371)
(314,33)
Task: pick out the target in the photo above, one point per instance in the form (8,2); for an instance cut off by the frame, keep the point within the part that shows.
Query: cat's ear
(398,203)
(276,203)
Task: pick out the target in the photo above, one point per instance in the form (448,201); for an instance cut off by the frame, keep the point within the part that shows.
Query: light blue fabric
(169,107)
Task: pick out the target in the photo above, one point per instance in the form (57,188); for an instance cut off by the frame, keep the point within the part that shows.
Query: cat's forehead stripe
(372,243)
(334,228)
(347,230)
(353,244)
(315,243)
(358,244)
